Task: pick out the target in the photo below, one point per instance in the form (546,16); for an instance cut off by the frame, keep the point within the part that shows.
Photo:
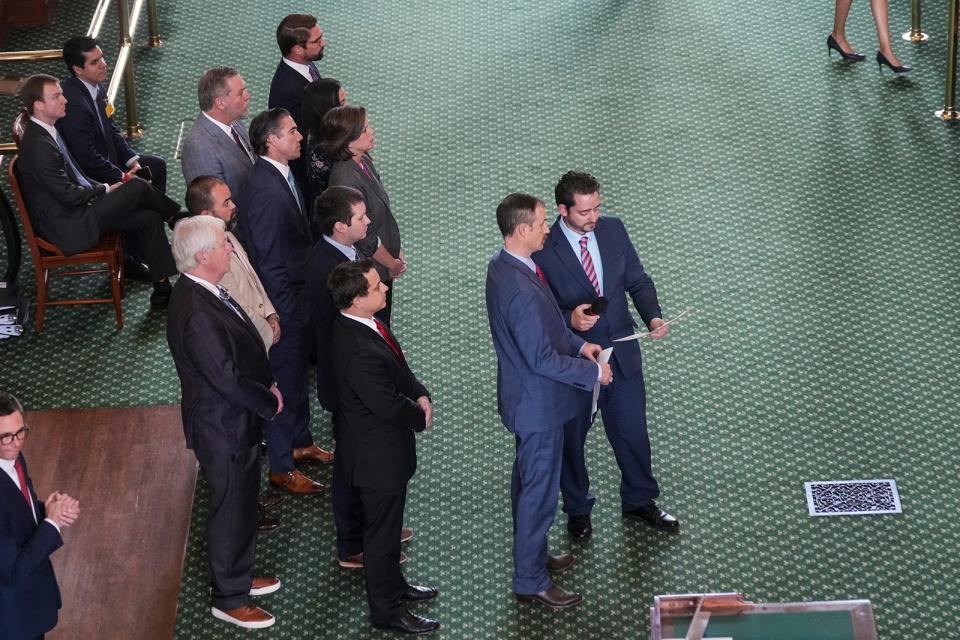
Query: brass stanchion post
(915,34)
(129,87)
(153,24)
(949,111)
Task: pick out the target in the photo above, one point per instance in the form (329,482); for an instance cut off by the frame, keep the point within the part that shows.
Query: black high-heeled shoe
(882,60)
(851,57)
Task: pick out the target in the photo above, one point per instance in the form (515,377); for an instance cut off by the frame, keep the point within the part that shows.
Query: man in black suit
(341,216)
(228,397)
(380,406)
(72,211)
(29,533)
(102,153)
(301,44)
(273,227)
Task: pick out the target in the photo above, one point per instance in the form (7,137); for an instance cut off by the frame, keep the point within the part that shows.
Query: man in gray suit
(218,144)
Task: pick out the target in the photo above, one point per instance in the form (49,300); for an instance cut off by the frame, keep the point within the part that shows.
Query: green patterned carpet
(805,210)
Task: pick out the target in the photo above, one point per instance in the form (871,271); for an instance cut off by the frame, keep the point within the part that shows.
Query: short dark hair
(9,405)
(265,124)
(335,205)
(74,50)
(341,126)
(31,89)
(198,194)
(294,30)
(348,280)
(318,97)
(516,209)
(213,84)
(574,182)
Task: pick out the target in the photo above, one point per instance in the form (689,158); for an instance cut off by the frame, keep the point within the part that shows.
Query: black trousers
(139,209)
(383,518)
(347,514)
(289,360)
(233,481)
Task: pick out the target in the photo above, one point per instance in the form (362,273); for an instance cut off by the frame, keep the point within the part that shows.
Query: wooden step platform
(119,568)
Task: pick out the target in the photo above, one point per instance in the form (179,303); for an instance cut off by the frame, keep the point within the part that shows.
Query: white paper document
(646,334)
(603,358)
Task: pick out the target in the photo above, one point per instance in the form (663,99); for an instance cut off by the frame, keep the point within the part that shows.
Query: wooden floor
(119,567)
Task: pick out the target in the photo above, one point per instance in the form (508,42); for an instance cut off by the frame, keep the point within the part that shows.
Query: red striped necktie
(587,263)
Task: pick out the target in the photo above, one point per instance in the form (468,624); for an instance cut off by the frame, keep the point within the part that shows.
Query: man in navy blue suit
(29,533)
(274,228)
(301,44)
(585,257)
(543,371)
(102,153)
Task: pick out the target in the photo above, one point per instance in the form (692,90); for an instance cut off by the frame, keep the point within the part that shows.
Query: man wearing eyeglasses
(29,533)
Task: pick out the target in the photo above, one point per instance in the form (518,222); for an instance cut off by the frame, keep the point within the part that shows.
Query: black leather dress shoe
(410,623)
(653,516)
(580,527)
(161,294)
(414,593)
(266,523)
(555,597)
(270,500)
(560,563)
(134,269)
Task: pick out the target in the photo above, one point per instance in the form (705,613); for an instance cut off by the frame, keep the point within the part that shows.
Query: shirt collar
(573,237)
(92,89)
(302,69)
(284,169)
(366,321)
(47,127)
(7,465)
(209,286)
(227,129)
(527,261)
(347,250)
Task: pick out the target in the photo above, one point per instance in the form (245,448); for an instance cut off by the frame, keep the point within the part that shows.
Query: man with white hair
(228,395)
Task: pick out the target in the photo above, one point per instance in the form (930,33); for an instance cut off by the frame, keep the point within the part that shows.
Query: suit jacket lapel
(215,302)
(569,259)
(374,181)
(9,487)
(513,263)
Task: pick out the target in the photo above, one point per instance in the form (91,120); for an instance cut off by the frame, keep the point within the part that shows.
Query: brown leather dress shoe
(406,534)
(262,585)
(356,561)
(560,563)
(248,617)
(313,454)
(296,482)
(555,597)
(267,501)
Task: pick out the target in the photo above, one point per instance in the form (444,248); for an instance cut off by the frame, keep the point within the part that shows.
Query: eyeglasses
(7,438)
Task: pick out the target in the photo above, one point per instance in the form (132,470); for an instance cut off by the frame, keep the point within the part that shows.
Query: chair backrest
(20,125)
(36,243)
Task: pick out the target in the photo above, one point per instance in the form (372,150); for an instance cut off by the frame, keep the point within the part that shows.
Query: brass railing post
(153,24)
(915,34)
(949,111)
(129,87)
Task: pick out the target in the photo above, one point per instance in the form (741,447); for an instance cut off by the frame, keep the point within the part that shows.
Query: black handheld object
(597,307)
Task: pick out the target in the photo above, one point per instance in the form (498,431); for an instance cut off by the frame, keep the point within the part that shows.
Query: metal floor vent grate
(852,497)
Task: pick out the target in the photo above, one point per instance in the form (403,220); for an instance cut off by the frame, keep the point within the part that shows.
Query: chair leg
(116,284)
(41,296)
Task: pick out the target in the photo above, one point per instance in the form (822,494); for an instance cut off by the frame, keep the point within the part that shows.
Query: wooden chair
(47,257)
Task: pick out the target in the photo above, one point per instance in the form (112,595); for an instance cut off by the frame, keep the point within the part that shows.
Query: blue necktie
(293,188)
(77,174)
(312,70)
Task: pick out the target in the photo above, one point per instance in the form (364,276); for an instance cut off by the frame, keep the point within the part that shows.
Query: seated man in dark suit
(29,533)
(99,149)
(73,211)
(380,407)
(301,44)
